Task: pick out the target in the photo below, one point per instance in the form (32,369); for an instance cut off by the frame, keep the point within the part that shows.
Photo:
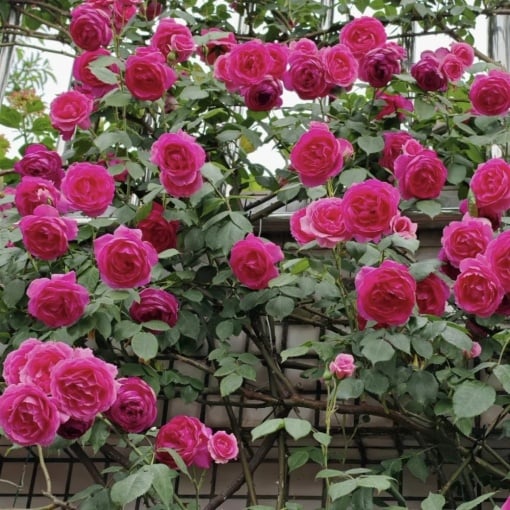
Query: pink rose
(368,208)
(157,230)
(342,366)
(452,67)
(90,83)
(40,362)
(34,191)
(74,428)
(386,294)
(155,304)
(90,27)
(46,235)
(16,360)
(403,226)
(477,289)
(253,261)
(180,158)
(264,95)
(216,46)
(395,105)
(506,504)
(57,301)
(476,350)
(394,142)
(147,75)
(421,175)
(223,447)
(490,93)
(432,294)
(39,161)
(490,185)
(428,75)
(83,386)
(300,235)
(135,408)
(324,221)
(466,239)
(318,155)
(70,110)
(362,35)
(123,259)
(89,188)
(464,51)
(498,256)
(189,437)
(173,40)
(340,65)
(123,12)
(278,56)
(378,66)
(28,416)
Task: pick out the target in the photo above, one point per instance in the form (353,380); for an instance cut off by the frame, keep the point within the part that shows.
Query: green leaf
(502,372)
(378,482)
(371,144)
(267,427)
(423,387)
(280,307)
(294,352)
(378,350)
(456,336)
(133,486)
(429,207)
(297,428)
(230,383)
(433,502)
(117,99)
(340,489)
(13,292)
(297,459)
(350,388)
(162,482)
(10,117)
(126,329)
(193,92)
(322,438)
(352,175)
(108,139)
(418,468)
(469,505)
(225,329)
(472,398)
(424,110)
(145,345)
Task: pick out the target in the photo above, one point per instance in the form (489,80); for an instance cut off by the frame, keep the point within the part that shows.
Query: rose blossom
(90,27)
(89,188)
(506,504)
(421,175)
(83,386)
(394,105)
(278,56)
(57,301)
(90,83)
(428,75)
(362,35)
(123,12)
(466,238)
(74,428)
(300,235)
(432,294)
(40,362)
(135,408)
(264,95)
(386,294)
(342,366)
(173,40)
(464,51)
(189,437)
(490,185)
(28,416)
(476,350)
(34,191)
(147,75)
(324,221)
(498,256)
(223,447)
(368,208)
(39,161)
(157,230)
(452,67)
(124,260)
(477,289)
(16,360)
(253,261)
(490,94)
(70,110)
(378,66)
(216,46)
(340,65)
(155,304)
(403,226)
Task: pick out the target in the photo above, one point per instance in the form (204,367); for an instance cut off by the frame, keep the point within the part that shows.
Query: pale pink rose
(296,230)
(40,362)
(89,188)
(362,35)
(223,447)
(395,105)
(174,40)
(71,110)
(490,185)
(498,256)
(324,221)
(341,67)
(394,142)
(57,301)
(464,51)
(155,304)
(477,289)
(432,294)
(403,226)
(253,261)
(82,387)
(189,437)
(124,260)
(135,408)
(16,360)
(317,155)
(90,27)
(490,93)
(343,366)
(39,161)
(368,208)
(385,294)
(466,238)
(28,416)
(32,192)
(89,82)
(264,95)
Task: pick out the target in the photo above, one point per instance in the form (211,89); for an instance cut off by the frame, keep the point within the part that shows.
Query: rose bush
(135,260)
